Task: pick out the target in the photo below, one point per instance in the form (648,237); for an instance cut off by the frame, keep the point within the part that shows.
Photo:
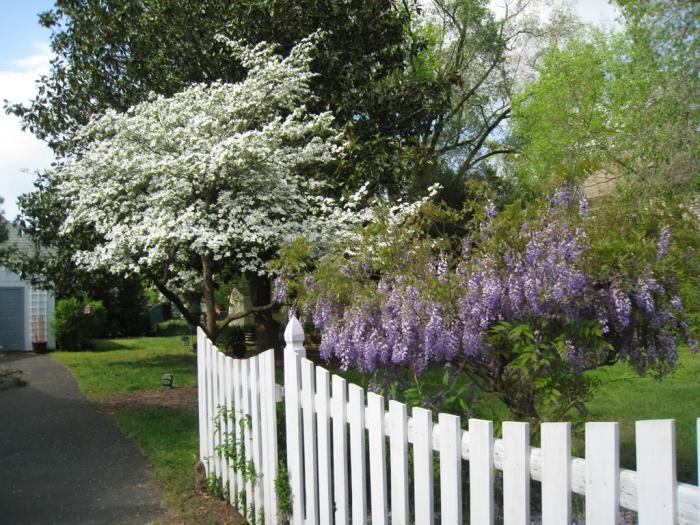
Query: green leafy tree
(621,104)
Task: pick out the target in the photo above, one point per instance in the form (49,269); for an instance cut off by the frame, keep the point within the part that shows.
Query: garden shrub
(173,327)
(73,328)
(231,341)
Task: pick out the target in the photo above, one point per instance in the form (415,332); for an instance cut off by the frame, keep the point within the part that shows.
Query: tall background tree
(419,92)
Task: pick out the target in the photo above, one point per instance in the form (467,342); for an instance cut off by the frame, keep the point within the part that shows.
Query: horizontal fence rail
(353,459)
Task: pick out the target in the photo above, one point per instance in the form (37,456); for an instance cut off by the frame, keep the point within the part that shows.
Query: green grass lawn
(625,397)
(168,437)
(127,365)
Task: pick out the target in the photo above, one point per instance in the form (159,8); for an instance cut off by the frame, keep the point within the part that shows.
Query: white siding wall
(36,302)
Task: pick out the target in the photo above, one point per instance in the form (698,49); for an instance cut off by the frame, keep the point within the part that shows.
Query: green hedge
(73,328)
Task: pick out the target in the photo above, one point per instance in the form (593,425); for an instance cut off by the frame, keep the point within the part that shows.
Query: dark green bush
(231,341)
(173,327)
(73,328)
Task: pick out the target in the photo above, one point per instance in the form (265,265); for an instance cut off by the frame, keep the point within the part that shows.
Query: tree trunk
(209,298)
(266,328)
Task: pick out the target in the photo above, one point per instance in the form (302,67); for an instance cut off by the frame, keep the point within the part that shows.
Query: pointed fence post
(294,351)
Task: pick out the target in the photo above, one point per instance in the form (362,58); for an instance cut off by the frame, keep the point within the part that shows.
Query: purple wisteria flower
(542,282)
(662,243)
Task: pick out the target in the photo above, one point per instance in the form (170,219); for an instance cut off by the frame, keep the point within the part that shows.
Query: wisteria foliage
(451,311)
(214,169)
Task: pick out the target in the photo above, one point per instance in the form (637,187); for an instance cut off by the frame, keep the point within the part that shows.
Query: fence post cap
(294,333)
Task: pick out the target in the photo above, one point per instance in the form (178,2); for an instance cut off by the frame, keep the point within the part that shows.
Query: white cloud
(20,152)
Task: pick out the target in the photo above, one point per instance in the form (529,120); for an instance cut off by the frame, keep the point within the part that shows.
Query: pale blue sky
(19,29)
(24,56)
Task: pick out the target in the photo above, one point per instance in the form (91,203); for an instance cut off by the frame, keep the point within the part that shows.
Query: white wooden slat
(255,433)
(602,473)
(308,394)
(292,385)
(201,395)
(264,433)
(229,426)
(481,500)
(246,428)
(269,417)
(221,422)
(398,454)
(214,411)
(340,450)
(516,473)
(377,458)
(556,473)
(450,469)
(272,437)
(293,352)
(211,412)
(422,423)
(356,417)
(238,427)
(323,429)
(656,471)
(207,415)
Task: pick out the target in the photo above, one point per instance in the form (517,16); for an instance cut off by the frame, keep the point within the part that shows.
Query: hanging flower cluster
(449,312)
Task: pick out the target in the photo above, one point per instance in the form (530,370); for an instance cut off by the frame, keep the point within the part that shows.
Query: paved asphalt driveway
(61,460)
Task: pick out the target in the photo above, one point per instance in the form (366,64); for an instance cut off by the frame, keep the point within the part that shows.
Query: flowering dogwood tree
(183,189)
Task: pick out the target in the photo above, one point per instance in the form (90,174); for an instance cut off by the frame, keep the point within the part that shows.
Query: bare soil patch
(205,510)
(182,397)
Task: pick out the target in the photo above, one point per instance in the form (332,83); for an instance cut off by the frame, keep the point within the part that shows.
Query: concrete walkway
(61,460)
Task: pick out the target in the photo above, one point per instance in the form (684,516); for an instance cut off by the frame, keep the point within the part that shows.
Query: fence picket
(323,429)
(602,473)
(255,433)
(201,395)
(247,435)
(450,469)
(238,428)
(211,412)
(221,417)
(293,352)
(481,502)
(228,424)
(556,473)
(422,426)
(308,395)
(340,450)
(516,473)
(656,470)
(377,458)
(356,418)
(269,430)
(398,451)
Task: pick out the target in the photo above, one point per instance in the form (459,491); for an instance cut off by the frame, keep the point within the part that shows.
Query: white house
(25,312)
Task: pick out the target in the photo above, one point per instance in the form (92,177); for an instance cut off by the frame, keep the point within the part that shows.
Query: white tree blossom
(213,177)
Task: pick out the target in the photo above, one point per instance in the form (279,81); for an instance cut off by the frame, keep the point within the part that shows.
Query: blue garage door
(12,319)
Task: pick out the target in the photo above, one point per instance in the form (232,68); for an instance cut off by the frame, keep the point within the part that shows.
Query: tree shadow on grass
(105,345)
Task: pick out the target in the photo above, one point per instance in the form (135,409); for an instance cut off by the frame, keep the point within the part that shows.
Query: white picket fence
(341,472)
